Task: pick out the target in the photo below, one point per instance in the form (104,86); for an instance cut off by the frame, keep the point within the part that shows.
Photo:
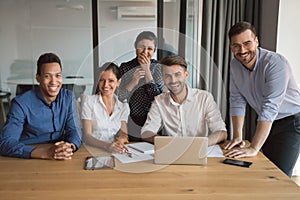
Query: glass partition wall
(119,22)
(30,28)
(193,40)
(182,33)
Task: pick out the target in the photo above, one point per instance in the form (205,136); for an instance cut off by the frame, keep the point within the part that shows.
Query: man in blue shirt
(263,79)
(46,114)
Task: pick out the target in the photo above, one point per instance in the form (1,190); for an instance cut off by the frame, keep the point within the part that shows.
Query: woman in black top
(141,81)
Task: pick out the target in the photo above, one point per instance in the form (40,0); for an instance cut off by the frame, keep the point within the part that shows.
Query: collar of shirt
(116,106)
(258,55)
(40,96)
(189,97)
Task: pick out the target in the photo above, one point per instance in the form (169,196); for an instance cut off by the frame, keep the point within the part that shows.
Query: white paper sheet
(135,157)
(142,147)
(215,151)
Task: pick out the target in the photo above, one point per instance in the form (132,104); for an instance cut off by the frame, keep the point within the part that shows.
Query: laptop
(180,150)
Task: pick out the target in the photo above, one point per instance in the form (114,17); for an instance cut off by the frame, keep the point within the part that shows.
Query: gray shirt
(270,88)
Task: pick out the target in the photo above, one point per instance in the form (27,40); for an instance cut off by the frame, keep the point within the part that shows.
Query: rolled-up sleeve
(213,115)
(154,119)
(276,83)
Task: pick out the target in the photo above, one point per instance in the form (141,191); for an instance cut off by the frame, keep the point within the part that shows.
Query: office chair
(4,95)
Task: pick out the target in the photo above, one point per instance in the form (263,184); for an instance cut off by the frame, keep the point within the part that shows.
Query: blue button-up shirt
(31,120)
(270,88)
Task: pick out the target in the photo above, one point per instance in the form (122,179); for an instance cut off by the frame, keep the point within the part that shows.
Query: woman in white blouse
(104,117)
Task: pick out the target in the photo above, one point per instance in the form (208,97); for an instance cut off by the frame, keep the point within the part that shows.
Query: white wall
(288,40)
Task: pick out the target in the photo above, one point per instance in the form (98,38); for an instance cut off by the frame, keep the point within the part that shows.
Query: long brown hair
(106,67)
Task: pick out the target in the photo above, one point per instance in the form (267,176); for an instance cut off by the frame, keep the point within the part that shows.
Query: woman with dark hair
(104,117)
(141,82)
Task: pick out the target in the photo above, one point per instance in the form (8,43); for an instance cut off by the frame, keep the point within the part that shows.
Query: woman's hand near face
(137,75)
(144,61)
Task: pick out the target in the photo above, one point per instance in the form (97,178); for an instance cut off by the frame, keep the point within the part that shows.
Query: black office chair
(21,88)
(4,95)
(77,89)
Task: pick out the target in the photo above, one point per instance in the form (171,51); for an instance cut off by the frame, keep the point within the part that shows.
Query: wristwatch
(73,147)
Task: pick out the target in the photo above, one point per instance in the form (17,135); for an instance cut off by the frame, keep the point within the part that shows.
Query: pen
(134,148)
(129,154)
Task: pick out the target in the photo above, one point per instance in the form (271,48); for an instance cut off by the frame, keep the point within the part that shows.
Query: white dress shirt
(104,127)
(196,116)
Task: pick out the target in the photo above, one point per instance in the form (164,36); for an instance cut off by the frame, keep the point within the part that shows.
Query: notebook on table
(180,150)
(142,147)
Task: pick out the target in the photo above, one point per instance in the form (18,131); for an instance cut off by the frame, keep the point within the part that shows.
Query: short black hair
(241,27)
(47,58)
(146,35)
(174,60)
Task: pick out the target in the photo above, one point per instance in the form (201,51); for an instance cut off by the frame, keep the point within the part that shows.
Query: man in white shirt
(183,111)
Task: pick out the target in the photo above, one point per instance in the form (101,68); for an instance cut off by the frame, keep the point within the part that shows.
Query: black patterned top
(141,97)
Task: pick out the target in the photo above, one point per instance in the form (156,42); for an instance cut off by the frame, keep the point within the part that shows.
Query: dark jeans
(282,146)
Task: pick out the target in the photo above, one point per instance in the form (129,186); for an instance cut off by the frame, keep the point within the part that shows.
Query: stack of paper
(137,152)
(142,147)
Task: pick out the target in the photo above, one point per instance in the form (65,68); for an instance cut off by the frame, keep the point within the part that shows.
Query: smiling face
(50,80)
(175,77)
(243,47)
(146,48)
(108,83)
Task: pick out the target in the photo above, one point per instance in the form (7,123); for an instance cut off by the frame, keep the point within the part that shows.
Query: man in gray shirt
(263,79)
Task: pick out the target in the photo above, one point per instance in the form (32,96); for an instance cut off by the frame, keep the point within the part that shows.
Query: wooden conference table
(49,179)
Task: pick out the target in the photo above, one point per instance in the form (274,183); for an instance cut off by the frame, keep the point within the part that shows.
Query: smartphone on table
(240,163)
(99,162)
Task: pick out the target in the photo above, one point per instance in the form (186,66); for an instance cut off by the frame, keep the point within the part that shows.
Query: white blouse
(104,127)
